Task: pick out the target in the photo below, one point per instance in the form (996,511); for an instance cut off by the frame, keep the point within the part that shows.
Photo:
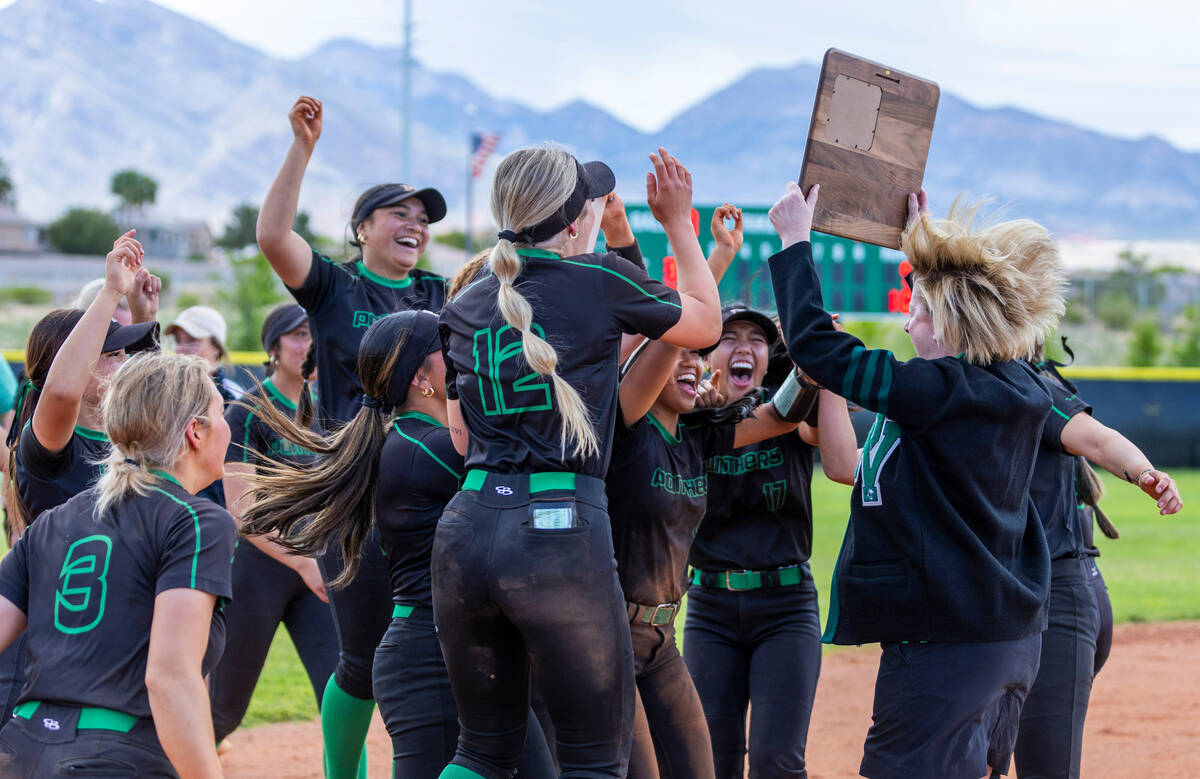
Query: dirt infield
(1142,721)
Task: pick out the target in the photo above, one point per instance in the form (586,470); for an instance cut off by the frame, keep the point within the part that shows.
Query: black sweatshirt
(944,542)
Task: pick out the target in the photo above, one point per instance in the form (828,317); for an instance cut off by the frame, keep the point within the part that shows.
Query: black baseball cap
(131,338)
(390,194)
(282,319)
(739,312)
(594,179)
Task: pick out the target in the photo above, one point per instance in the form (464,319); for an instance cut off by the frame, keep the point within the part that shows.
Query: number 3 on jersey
(881,442)
(83,585)
(527,393)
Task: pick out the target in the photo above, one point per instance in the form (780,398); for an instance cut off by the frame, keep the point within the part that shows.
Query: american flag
(482,146)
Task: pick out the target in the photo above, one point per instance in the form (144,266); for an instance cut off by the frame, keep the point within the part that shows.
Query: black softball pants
(670,734)
(362,611)
(265,594)
(513,600)
(51,743)
(762,647)
(412,689)
(1050,737)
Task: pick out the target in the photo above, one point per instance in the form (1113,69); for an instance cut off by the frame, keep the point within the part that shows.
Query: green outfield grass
(1152,573)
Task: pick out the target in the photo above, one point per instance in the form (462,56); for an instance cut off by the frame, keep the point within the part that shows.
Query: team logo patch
(502,490)
(50,724)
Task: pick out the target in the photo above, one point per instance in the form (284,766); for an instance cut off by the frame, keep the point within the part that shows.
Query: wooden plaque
(867,147)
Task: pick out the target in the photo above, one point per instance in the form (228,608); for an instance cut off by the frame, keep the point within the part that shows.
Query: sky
(1127,69)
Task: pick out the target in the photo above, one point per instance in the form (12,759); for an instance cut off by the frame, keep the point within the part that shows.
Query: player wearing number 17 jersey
(944,560)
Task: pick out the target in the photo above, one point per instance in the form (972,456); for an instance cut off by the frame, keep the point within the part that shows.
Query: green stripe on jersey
(427,450)
(1056,410)
(94,435)
(371,275)
(195,524)
(551,255)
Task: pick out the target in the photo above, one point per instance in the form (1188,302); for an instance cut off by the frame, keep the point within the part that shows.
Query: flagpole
(468,243)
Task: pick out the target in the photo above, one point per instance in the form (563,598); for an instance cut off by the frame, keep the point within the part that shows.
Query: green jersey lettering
(735,465)
(775,493)
(674,484)
(365,318)
(528,393)
(83,586)
(881,442)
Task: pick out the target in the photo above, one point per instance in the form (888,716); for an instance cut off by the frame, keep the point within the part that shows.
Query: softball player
(58,438)
(390,226)
(523,573)
(752,636)
(119,588)
(944,561)
(1050,738)
(392,465)
(269,585)
(658,491)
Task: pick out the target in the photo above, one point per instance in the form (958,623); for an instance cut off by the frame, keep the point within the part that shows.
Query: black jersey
(88,584)
(944,542)
(1053,486)
(419,472)
(657,491)
(342,301)
(759,507)
(47,479)
(581,305)
(250,436)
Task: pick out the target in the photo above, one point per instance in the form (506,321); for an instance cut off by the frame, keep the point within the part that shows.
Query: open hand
(730,240)
(1160,486)
(305,117)
(669,190)
(792,215)
(122,264)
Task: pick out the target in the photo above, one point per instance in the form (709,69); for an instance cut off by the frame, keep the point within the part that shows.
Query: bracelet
(1138,478)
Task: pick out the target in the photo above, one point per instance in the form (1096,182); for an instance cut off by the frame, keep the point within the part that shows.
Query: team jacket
(944,542)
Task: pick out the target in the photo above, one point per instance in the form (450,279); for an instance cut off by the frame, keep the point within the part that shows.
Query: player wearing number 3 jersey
(944,561)
(119,590)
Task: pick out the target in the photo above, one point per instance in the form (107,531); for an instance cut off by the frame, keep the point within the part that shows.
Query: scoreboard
(855,277)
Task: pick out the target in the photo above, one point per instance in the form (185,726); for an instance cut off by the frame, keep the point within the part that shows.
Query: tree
(1146,346)
(8,191)
(255,289)
(239,231)
(1187,350)
(83,231)
(133,188)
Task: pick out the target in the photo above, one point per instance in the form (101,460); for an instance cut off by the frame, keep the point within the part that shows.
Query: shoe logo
(50,724)
(502,490)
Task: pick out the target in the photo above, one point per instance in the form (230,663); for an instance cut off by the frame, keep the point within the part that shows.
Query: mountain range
(91,87)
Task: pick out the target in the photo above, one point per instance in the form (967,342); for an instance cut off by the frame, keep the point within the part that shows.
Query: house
(17,234)
(172,240)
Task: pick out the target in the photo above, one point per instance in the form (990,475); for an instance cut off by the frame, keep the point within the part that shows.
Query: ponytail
(332,500)
(540,355)
(305,408)
(1090,489)
(530,186)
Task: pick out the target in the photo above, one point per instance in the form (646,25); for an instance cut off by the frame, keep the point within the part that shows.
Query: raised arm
(669,194)
(729,242)
(835,438)
(178,696)
(58,408)
(645,379)
(289,254)
(1084,435)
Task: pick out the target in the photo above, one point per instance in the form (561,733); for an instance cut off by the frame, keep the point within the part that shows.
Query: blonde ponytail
(150,402)
(528,187)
